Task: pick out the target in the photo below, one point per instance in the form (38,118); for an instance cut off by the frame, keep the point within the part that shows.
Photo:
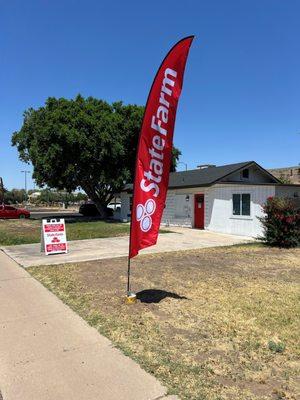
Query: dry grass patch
(235,336)
(19,231)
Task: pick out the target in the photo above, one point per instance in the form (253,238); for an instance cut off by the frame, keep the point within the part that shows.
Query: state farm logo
(143,214)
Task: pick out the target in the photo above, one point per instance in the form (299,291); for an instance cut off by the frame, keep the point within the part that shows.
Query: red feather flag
(155,149)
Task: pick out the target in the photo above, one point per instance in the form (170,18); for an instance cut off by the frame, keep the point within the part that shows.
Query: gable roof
(210,175)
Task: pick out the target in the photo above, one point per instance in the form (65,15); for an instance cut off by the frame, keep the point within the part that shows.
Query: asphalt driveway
(95,249)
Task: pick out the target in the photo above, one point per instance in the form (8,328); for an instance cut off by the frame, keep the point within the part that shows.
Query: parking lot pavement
(55,214)
(85,250)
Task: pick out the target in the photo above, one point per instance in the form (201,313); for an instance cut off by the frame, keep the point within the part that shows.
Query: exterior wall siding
(218,208)
(179,210)
(215,204)
(125,206)
(219,216)
(287,191)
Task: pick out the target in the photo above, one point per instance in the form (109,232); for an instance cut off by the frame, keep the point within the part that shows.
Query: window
(245,173)
(236,203)
(241,204)
(245,204)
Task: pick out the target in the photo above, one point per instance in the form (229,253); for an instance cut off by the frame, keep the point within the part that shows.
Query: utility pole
(1,191)
(180,162)
(25,176)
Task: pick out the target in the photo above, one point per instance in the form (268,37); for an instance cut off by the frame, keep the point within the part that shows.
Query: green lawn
(14,232)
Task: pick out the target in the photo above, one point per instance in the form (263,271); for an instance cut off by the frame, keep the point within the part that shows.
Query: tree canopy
(85,143)
(14,196)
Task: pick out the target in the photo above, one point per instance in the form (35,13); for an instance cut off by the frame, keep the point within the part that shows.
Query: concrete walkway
(85,250)
(47,352)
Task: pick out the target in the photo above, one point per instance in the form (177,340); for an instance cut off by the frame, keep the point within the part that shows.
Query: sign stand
(53,236)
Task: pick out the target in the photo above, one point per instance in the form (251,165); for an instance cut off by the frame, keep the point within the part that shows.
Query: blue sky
(240,99)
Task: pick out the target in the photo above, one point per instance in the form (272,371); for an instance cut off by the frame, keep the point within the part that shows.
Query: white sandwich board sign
(54,239)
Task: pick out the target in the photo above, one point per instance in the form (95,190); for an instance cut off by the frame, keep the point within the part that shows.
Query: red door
(199,211)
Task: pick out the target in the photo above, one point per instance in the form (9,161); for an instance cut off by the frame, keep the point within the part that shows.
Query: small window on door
(241,204)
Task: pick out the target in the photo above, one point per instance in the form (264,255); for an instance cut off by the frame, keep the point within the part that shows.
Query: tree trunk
(101,207)
(100,203)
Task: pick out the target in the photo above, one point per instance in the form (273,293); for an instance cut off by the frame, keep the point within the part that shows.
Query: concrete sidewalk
(47,352)
(95,249)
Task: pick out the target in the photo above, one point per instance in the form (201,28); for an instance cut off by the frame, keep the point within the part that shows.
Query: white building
(225,199)
(34,196)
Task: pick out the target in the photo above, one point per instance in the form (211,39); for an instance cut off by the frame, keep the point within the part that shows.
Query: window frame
(240,215)
(246,178)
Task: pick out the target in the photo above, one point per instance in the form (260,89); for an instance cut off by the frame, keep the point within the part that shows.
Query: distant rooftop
(281,168)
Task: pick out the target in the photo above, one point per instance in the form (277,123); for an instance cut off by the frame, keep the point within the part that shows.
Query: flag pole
(128,277)
(130,296)
(147,207)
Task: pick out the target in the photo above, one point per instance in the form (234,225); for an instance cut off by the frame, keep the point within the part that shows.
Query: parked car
(90,210)
(114,206)
(13,212)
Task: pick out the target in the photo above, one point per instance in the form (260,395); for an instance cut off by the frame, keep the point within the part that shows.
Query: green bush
(278,347)
(281,222)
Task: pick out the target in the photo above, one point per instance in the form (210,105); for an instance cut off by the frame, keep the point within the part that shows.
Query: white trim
(247,217)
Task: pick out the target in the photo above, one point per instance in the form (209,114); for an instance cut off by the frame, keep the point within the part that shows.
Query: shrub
(281,222)
(278,347)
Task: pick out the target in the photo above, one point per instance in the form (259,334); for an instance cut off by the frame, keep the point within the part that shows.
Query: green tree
(176,153)
(53,196)
(80,196)
(284,180)
(2,190)
(85,143)
(14,196)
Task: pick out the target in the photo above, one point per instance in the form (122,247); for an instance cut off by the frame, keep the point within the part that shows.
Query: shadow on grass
(156,296)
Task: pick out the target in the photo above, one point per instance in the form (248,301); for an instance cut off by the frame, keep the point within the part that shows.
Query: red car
(13,212)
